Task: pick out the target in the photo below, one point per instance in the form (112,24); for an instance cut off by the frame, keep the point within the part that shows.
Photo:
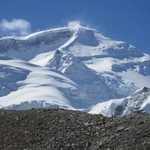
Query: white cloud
(15,27)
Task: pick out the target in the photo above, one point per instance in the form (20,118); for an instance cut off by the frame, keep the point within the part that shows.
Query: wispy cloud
(78,23)
(15,27)
(74,24)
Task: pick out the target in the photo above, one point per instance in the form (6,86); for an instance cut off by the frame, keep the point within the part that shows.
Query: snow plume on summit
(74,24)
(73,69)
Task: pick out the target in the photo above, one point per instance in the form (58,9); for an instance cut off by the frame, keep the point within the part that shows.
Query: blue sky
(125,20)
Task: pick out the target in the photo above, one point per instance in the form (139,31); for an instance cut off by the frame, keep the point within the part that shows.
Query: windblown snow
(73,68)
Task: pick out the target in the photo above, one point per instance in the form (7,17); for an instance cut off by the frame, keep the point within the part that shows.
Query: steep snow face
(94,85)
(85,37)
(89,43)
(24,85)
(26,48)
(86,78)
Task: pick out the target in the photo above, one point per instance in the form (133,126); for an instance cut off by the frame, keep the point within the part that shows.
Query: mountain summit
(74,68)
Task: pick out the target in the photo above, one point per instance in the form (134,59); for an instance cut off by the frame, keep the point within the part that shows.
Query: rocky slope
(60,129)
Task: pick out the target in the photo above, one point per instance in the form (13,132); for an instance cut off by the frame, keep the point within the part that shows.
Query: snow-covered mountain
(101,74)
